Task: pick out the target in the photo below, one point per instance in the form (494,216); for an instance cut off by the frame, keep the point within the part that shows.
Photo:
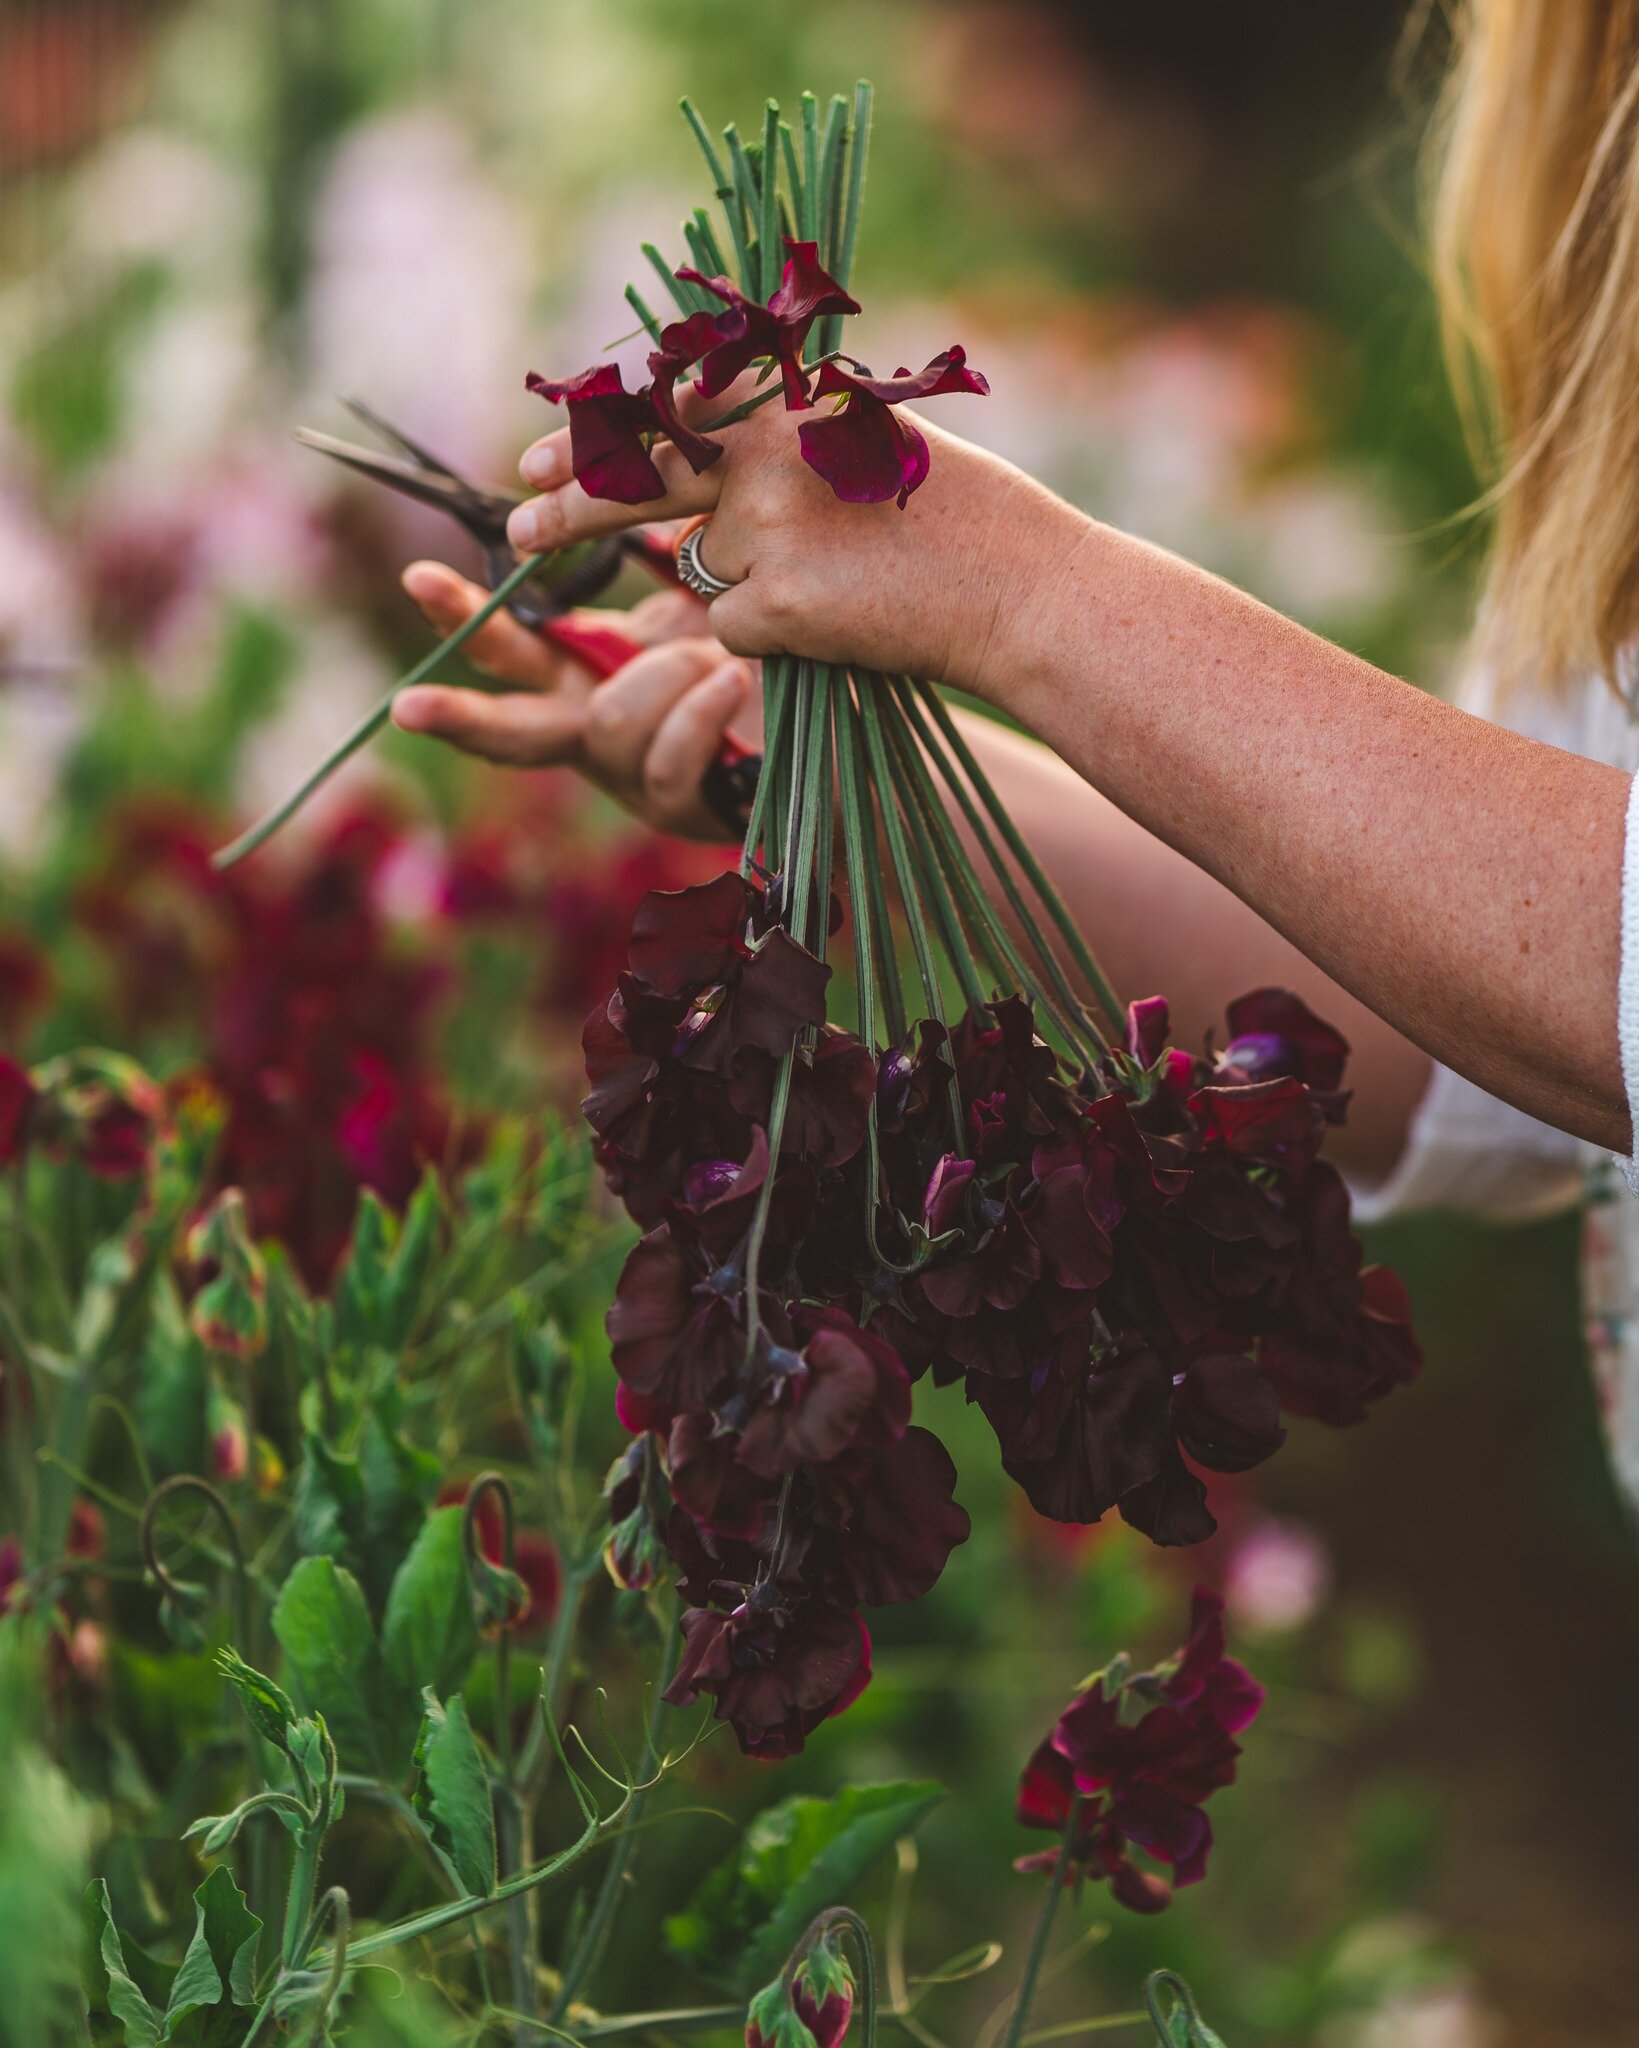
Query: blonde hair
(1536,247)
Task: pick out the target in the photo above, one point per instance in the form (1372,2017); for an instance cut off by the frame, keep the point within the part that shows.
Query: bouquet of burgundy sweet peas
(1131,1254)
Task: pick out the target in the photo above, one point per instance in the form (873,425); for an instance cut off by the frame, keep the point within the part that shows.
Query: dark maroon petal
(1171,1508)
(684,940)
(1044,1790)
(1227,1413)
(830,1100)
(865,451)
(849,1387)
(1265,1120)
(708,1480)
(947,372)
(893,1518)
(699,451)
(1275,1012)
(606,428)
(778,993)
(1147,1029)
(669,1339)
(807,290)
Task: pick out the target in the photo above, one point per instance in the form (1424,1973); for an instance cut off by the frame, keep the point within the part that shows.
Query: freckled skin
(1234,799)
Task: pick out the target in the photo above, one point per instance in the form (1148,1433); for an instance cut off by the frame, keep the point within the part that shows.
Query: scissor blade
(482,513)
(388,432)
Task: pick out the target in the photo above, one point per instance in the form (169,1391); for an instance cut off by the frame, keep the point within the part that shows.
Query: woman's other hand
(646,736)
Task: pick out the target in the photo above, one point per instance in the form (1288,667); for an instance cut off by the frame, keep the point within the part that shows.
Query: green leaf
(111,1986)
(412,1261)
(323,1627)
(452,1794)
(361,1287)
(220,1965)
(794,1860)
(429,1636)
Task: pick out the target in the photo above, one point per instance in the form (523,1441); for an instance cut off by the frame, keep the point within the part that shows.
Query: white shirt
(1467,1150)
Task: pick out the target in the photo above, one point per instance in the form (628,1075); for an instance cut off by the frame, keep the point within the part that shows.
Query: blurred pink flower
(1277,1576)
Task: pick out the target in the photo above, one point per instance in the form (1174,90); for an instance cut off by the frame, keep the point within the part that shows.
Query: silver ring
(694,573)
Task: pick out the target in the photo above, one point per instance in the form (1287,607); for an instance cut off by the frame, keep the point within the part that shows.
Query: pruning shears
(547,602)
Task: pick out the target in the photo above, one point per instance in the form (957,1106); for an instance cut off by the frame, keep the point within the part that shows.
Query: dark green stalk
(895,1016)
(933,881)
(870,719)
(687,298)
(793,178)
(934,750)
(848,232)
(716,263)
(645,314)
(809,184)
(1069,1018)
(833,171)
(1044,1927)
(373,721)
(825,813)
(748,207)
(722,182)
(768,228)
(1054,904)
(776,740)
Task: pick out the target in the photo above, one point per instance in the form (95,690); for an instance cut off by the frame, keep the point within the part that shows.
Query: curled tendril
(1169,1980)
(339,1907)
(178,1591)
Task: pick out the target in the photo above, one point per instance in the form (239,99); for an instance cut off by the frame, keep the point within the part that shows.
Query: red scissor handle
(605,648)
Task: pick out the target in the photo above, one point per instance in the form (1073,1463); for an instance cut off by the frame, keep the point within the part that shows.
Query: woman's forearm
(1462,882)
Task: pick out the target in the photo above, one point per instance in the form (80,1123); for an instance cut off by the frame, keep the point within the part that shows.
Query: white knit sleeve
(1627,994)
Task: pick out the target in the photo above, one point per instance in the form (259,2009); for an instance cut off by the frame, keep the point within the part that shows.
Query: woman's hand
(929,591)
(646,736)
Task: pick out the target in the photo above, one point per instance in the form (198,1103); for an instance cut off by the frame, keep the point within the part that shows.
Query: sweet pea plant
(1131,1255)
(308,1592)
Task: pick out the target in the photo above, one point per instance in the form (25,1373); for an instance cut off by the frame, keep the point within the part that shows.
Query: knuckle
(608,723)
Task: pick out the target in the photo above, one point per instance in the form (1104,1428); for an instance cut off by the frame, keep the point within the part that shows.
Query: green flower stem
(1054,904)
(843,214)
(833,171)
(808,185)
(723,185)
(304,1878)
(589,1949)
(373,721)
(457,1910)
(1014,2037)
(895,1017)
(768,227)
(933,748)
(748,207)
(687,298)
(645,313)
(1068,1017)
(708,250)
(777,739)
(870,719)
(535,1763)
(933,882)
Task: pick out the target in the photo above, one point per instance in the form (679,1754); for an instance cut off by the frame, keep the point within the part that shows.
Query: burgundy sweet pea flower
(18,1096)
(747,332)
(866,450)
(1143,1780)
(536,1558)
(686,940)
(776,1671)
(887,1519)
(1274,1122)
(1272,1031)
(25,983)
(675,1327)
(845,1386)
(708,1479)
(611,429)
